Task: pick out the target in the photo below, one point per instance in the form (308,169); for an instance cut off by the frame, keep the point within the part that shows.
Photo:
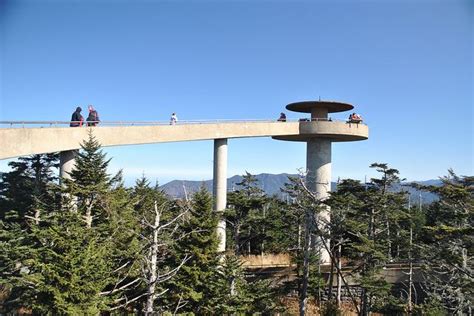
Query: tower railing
(43,124)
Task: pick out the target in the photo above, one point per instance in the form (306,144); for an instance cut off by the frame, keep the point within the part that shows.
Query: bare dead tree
(158,237)
(319,227)
(153,275)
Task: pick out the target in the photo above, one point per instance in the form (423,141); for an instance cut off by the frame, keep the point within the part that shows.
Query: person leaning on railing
(93,118)
(355,118)
(282,117)
(77,119)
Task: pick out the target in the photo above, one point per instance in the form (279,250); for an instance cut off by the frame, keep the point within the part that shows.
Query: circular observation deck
(336,131)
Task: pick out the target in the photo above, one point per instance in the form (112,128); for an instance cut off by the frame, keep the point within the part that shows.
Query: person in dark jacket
(76,119)
(282,117)
(93,118)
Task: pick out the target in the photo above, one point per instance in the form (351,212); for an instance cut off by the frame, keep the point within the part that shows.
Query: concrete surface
(219,188)
(15,142)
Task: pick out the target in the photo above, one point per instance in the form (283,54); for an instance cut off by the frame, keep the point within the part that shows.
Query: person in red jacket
(93,118)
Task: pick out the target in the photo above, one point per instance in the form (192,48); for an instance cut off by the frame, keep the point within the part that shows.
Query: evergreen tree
(232,293)
(245,208)
(123,232)
(312,236)
(161,230)
(16,250)
(144,196)
(200,242)
(26,193)
(71,268)
(28,188)
(366,219)
(90,183)
(278,231)
(88,246)
(230,289)
(449,244)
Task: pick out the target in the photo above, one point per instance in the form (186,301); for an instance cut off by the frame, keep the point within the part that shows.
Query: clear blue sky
(407,66)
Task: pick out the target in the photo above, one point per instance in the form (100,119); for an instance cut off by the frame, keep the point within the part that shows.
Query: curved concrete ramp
(15,142)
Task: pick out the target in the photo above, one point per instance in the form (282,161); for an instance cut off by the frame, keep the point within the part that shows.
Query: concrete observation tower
(319,132)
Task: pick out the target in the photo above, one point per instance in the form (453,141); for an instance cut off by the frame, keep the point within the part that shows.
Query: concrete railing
(36,124)
(24,124)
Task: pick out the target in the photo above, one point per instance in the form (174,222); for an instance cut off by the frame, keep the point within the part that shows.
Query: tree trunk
(364,311)
(262,250)
(88,216)
(410,280)
(339,279)
(389,241)
(153,264)
(307,249)
(237,239)
(331,280)
(299,235)
(37,216)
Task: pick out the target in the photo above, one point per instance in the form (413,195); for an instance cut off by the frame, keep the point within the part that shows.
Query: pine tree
(365,220)
(160,225)
(16,250)
(89,183)
(277,231)
(233,294)
(123,231)
(26,193)
(72,267)
(191,285)
(307,208)
(230,288)
(449,244)
(89,245)
(245,208)
(28,188)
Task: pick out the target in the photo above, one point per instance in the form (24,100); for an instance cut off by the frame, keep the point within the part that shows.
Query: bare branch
(120,288)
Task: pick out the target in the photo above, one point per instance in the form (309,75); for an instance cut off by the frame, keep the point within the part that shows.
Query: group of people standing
(77,120)
(355,118)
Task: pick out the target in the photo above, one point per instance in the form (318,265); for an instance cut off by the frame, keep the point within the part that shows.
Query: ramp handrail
(24,124)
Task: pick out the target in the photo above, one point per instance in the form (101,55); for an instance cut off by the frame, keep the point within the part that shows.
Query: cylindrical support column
(318,178)
(319,113)
(67,161)
(219,188)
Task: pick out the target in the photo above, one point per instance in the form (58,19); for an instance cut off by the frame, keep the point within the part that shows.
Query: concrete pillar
(319,113)
(219,189)
(67,161)
(318,179)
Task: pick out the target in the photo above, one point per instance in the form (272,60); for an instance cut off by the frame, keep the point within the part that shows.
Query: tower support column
(67,162)
(318,179)
(219,188)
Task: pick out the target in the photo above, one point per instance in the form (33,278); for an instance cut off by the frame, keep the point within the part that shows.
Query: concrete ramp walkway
(22,141)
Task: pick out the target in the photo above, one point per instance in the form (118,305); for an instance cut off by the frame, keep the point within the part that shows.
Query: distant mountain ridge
(272,184)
